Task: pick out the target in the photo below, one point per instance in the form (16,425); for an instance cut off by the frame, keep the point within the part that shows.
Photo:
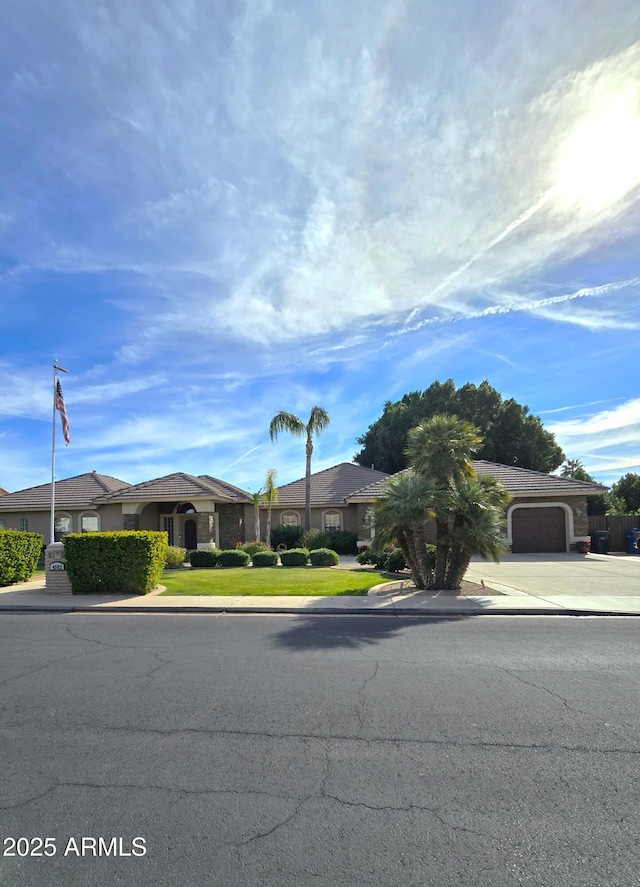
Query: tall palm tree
(257,499)
(318,421)
(440,448)
(270,497)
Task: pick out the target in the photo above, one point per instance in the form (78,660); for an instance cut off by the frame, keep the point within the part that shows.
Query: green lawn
(270,581)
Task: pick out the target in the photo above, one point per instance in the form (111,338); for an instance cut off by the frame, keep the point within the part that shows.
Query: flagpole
(52,525)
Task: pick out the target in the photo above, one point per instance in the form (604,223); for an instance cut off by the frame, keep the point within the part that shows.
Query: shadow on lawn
(349,632)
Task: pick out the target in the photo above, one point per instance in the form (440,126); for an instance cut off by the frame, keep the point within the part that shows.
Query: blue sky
(210,212)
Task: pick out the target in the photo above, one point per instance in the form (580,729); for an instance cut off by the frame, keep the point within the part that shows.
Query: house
(330,505)
(76,511)
(547,513)
(195,512)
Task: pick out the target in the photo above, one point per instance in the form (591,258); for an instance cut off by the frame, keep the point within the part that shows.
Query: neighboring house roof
(329,487)
(73,492)
(518,481)
(180,486)
(3,492)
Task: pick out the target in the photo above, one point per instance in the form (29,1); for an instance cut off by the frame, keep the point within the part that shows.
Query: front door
(190,535)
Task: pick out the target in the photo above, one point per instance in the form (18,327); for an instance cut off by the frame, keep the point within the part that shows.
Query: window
(1,523)
(89,523)
(167,526)
(332,521)
(290,519)
(24,523)
(62,526)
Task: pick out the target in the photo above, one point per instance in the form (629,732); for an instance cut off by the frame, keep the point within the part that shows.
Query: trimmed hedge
(289,536)
(294,557)
(19,555)
(265,559)
(175,557)
(323,557)
(233,557)
(124,561)
(204,558)
(253,547)
(340,541)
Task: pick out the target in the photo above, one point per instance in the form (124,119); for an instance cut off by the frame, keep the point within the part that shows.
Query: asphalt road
(272,751)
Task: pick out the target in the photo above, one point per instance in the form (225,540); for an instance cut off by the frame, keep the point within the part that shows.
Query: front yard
(271,581)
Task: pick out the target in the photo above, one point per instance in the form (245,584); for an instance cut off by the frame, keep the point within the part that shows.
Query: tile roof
(524,481)
(180,486)
(72,492)
(3,492)
(329,487)
(518,481)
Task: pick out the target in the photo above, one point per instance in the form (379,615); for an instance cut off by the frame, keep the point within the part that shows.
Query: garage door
(538,530)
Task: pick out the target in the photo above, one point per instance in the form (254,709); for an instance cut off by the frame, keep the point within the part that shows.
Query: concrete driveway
(551,575)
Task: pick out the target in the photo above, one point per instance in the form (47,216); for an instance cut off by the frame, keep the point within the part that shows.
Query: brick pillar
(57,580)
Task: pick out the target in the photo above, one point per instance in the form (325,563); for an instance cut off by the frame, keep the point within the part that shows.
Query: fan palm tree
(399,518)
(440,448)
(270,497)
(476,527)
(318,421)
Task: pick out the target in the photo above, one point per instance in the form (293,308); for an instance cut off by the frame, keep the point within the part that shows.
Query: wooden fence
(617,525)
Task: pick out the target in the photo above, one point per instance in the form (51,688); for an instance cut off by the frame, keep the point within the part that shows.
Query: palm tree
(318,421)
(399,518)
(270,497)
(257,499)
(440,448)
(476,527)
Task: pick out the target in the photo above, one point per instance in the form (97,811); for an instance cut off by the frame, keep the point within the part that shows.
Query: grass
(270,581)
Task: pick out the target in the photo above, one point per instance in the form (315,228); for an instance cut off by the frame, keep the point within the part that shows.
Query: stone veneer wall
(206,527)
(231,525)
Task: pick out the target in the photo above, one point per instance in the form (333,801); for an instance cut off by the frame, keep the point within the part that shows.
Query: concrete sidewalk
(32,597)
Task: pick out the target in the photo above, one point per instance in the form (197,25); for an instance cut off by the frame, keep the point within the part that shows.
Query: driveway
(552,575)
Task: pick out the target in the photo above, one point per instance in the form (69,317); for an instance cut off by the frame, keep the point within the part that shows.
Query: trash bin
(633,535)
(600,542)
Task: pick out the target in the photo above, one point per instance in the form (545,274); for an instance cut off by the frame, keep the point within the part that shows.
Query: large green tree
(628,488)
(510,433)
(318,421)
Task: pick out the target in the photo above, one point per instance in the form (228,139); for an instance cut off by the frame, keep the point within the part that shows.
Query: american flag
(63,413)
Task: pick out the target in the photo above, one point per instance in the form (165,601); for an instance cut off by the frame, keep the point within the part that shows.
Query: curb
(326,611)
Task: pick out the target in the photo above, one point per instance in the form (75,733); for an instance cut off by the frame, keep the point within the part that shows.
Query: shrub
(294,557)
(175,557)
(125,561)
(252,547)
(289,536)
(365,557)
(265,559)
(341,541)
(395,561)
(19,555)
(233,557)
(431,555)
(323,557)
(205,557)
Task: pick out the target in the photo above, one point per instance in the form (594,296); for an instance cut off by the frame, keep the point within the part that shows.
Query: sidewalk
(32,597)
